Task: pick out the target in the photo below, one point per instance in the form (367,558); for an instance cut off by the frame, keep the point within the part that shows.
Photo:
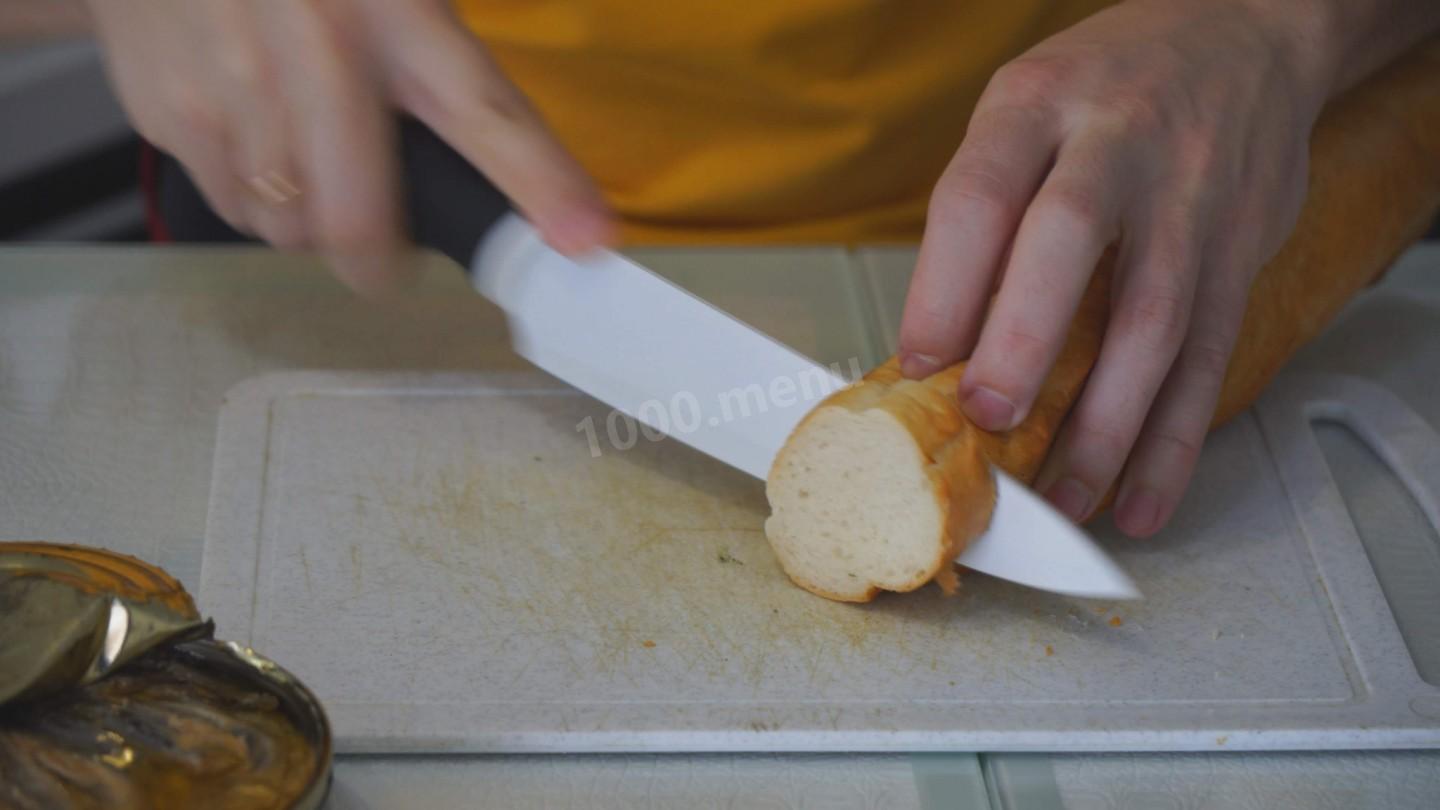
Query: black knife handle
(449,203)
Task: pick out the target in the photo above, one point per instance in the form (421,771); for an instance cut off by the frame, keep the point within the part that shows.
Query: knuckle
(503,103)
(438,99)
(1022,349)
(1195,149)
(1031,80)
(1208,359)
(1172,243)
(1182,449)
(428,102)
(1157,319)
(241,66)
(411,93)
(190,114)
(462,99)
(925,324)
(1106,445)
(973,183)
(1138,114)
(1079,205)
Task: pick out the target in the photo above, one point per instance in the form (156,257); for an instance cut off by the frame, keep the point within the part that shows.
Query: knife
(650,349)
(683,368)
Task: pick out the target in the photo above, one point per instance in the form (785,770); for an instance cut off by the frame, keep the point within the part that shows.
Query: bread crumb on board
(648,644)
(1049,650)
(726,557)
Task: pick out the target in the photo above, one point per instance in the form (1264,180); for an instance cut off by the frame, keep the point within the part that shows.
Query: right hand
(281,111)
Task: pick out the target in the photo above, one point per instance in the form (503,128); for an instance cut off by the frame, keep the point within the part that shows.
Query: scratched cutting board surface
(448,564)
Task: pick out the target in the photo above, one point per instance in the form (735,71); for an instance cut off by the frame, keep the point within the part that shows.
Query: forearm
(35,19)
(1350,39)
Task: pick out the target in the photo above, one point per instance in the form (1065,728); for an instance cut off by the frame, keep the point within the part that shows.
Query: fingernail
(916,365)
(989,410)
(1071,497)
(1139,512)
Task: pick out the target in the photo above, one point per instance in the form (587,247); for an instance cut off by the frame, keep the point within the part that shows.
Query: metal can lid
(113,694)
(72,615)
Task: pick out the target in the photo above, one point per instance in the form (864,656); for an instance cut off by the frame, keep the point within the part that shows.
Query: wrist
(1309,39)
(1339,42)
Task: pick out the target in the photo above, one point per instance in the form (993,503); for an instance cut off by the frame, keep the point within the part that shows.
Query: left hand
(1180,129)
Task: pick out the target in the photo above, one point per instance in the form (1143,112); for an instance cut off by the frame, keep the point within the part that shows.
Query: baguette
(883,484)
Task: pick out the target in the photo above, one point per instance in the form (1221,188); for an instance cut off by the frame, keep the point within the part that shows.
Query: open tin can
(114,694)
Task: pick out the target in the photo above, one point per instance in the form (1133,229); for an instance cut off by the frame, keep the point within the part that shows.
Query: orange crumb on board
(1116,621)
(647,644)
(1100,609)
(1049,650)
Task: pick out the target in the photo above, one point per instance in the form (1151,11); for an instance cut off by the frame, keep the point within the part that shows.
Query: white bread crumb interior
(854,506)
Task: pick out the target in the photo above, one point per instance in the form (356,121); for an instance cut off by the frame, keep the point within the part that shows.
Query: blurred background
(69,164)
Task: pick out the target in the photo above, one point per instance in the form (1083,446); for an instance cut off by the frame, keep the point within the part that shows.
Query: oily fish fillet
(883,485)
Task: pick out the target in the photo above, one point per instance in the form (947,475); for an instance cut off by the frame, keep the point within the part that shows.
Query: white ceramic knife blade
(673,362)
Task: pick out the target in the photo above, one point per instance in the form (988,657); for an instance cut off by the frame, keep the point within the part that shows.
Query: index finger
(973,214)
(446,78)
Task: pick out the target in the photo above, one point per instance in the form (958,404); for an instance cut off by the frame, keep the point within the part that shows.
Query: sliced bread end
(857,507)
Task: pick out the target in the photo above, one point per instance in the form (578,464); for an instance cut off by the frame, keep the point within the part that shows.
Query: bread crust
(1374,187)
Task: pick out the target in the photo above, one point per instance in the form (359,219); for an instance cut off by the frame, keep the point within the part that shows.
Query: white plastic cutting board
(444,561)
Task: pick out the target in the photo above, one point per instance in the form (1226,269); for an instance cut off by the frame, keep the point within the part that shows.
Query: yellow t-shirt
(714,121)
